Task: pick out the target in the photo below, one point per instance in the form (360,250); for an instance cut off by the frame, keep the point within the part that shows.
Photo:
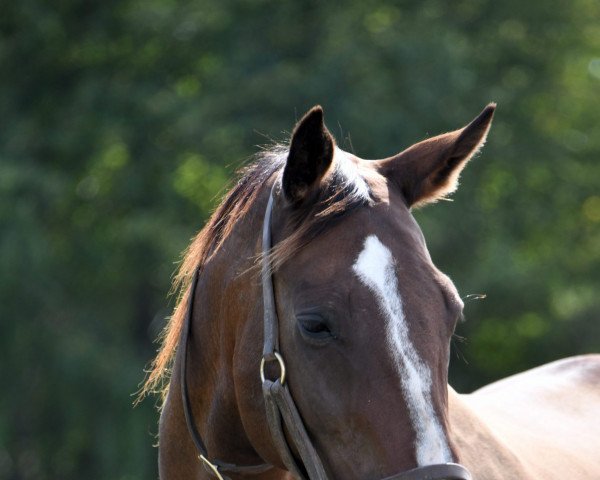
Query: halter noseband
(280,407)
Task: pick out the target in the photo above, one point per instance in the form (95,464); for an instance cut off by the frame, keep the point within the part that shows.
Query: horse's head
(365,316)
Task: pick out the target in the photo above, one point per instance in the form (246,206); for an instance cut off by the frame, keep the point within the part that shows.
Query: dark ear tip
(312,121)
(315,114)
(488,111)
(483,120)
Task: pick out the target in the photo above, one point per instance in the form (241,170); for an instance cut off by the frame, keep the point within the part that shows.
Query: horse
(311,337)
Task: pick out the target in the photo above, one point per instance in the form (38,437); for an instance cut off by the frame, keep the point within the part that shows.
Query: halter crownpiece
(280,407)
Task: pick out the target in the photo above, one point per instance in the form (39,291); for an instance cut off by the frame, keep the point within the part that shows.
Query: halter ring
(279,358)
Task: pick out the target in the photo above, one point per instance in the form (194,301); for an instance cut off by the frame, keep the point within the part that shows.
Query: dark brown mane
(336,197)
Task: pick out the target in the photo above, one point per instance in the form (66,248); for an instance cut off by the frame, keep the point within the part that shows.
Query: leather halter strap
(280,407)
(282,415)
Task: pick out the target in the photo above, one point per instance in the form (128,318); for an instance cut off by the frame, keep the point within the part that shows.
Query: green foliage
(122,121)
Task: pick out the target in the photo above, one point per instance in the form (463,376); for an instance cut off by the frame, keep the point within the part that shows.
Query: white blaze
(375,269)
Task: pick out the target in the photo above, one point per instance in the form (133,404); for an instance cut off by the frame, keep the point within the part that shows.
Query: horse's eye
(314,326)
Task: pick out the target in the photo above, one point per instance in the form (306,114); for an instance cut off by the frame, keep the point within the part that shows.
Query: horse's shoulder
(581,369)
(573,379)
(550,415)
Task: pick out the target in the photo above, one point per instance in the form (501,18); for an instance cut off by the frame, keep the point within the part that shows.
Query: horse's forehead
(393,224)
(338,248)
(395,245)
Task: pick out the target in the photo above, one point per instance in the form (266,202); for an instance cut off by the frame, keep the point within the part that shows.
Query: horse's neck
(479,448)
(227,305)
(231,304)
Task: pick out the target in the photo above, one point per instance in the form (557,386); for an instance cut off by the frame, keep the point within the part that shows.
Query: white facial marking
(349,171)
(375,269)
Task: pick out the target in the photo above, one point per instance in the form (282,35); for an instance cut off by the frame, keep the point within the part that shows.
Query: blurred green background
(122,121)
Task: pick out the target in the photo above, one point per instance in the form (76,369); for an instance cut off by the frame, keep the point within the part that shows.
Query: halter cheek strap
(280,407)
(282,415)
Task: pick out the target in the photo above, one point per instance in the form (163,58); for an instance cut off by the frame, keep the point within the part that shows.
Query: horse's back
(550,416)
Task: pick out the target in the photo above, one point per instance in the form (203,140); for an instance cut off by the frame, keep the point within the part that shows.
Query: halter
(282,414)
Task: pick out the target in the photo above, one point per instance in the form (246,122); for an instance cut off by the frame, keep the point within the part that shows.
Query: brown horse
(362,321)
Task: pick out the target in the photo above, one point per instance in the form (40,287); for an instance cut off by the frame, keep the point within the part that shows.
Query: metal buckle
(264,361)
(211,466)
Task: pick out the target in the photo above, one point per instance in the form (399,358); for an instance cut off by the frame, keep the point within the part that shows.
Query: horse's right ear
(309,158)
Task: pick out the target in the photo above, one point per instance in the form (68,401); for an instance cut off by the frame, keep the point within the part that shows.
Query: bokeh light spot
(594,67)
(591,209)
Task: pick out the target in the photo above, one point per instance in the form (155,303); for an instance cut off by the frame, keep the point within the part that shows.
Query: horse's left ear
(429,170)
(309,158)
